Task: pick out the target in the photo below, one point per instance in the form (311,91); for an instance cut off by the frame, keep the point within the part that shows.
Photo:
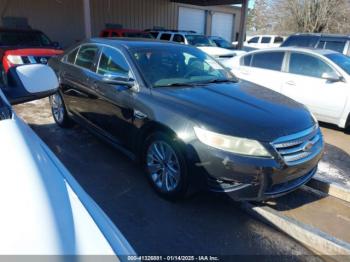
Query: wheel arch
(149,129)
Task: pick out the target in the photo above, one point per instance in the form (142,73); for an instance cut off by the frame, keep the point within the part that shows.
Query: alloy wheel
(57,107)
(163,166)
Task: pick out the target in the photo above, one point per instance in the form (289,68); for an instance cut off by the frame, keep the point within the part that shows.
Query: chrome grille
(301,147)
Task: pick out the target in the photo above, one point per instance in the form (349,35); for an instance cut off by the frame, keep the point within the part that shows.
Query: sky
(251,3)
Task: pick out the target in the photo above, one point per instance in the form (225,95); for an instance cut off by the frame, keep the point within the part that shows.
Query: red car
(24,46)
(125,33)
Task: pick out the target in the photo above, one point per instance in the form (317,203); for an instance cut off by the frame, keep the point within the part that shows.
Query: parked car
(186,118)
(110,32)
(338,43)
(318,79)
(24,46)
(221,42)
(200,41)
(264,41)
(44,211)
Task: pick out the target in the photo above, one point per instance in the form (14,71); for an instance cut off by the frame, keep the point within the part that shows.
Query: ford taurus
(186,119)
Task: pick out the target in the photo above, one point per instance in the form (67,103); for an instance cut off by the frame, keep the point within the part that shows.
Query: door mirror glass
(331,77)
(30,82)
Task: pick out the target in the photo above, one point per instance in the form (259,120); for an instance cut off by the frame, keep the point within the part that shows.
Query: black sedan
(186,119)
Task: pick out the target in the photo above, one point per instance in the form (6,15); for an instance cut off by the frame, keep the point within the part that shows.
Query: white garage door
(222,25)
(192,19)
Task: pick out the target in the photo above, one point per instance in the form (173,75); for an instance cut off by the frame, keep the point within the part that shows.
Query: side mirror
(30,82)
(118,80)
(332,77)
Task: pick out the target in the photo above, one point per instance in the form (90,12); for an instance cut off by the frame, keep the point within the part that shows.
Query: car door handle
(290,83)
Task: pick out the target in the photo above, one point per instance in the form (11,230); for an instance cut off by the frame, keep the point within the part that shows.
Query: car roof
(124,30)
(132,42)
(322,35)
(216,37)
(265,36)
(302,49)
(7,29)
(175,32)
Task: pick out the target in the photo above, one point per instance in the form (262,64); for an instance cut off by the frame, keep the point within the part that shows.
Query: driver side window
(113,63)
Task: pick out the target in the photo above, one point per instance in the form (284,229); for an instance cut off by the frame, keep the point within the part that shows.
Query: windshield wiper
(180,84)
(215,81)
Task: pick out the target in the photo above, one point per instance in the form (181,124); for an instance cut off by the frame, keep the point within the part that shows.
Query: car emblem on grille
(308,147)
(43,60)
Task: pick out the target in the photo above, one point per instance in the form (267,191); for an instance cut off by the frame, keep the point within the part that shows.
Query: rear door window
(268,60)
(278,40)
(86,56)
(307,65)
(165,37)
(266,40)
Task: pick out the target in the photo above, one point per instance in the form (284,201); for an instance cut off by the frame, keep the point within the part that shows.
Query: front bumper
(249,178)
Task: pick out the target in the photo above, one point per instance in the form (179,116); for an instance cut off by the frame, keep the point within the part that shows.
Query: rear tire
(165,166)
(59,111)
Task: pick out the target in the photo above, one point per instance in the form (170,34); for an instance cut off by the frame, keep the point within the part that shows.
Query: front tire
(165,166)
(59,111)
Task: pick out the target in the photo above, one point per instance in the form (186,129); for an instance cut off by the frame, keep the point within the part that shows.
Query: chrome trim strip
(297,136)
(300,147)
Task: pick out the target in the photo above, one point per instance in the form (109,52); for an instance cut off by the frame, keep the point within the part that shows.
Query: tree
(258,17)
(312,16)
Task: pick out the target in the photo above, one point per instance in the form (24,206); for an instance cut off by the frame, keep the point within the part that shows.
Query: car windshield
(199,40)
(223,43)
(138,35)
(24,38)
(341,60)
(164,66)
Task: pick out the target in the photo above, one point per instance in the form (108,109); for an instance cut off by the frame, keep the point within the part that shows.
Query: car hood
(44,211)
(239,109)
(217,51)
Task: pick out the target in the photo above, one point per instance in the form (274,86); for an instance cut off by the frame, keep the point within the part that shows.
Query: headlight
(237,145)
(15,59)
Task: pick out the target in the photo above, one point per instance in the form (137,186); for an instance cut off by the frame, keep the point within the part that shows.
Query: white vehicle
(44,211)
(200,41)
(317,78)
(264,41)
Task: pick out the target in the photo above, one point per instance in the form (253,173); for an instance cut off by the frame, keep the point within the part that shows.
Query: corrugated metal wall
(61,20)
(136,14)
(143,14)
